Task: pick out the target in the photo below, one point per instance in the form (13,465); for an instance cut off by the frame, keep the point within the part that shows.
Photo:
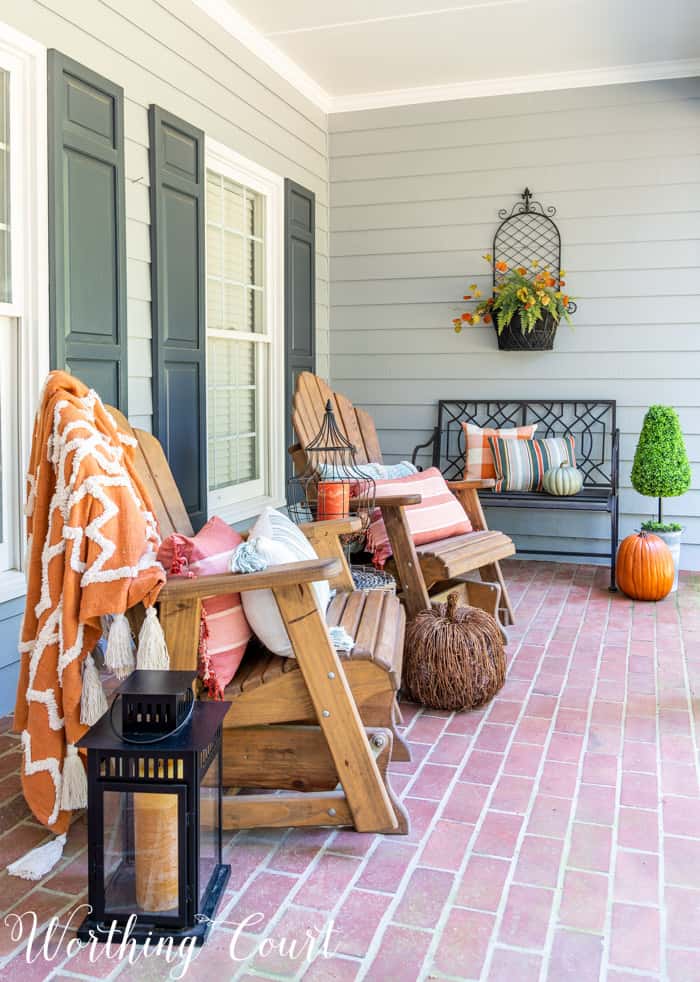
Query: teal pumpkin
(563,480)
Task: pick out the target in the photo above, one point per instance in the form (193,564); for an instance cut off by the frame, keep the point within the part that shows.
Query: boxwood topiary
(661,468)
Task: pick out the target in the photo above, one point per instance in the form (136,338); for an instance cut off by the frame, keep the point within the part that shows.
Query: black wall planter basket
(527,233)
(540,338)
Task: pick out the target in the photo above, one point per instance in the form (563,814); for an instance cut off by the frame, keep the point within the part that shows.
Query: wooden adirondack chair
(426,572)
(320,727)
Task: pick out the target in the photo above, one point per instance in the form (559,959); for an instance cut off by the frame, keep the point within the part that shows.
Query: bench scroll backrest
(592,423)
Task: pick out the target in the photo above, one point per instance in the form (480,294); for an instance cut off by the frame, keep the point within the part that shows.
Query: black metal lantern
(154,812)
(332,484)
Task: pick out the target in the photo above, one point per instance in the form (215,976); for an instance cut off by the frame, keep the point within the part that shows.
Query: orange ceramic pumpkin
(644,567)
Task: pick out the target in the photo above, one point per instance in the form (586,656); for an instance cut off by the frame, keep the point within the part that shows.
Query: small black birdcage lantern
(332,484)
(154,812)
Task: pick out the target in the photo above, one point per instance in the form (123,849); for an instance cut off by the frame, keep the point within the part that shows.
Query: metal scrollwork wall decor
(527,233)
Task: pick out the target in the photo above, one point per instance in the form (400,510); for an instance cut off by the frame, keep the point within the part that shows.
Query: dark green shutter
(87,251)
(178,313)
(299,292)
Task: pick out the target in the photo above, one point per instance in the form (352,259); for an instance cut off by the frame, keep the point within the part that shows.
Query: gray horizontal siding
(174,55)
(10,623)
(415,193)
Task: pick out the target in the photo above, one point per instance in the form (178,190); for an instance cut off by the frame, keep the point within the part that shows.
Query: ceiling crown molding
(241,29)
(583,78)
(238,27)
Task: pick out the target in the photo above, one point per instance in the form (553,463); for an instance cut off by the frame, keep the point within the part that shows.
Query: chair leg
(336,710)
(400,749)
(382,744)
(614,536)
(491,573)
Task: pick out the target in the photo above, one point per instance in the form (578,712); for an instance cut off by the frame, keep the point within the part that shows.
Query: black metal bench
(594,428)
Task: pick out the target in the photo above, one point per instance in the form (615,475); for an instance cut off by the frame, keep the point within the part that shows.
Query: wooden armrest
(331,526)
(488,482)
(308,571)
(398,500)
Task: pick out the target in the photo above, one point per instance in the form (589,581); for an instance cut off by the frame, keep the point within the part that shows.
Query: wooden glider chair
(426,572)
(319,728)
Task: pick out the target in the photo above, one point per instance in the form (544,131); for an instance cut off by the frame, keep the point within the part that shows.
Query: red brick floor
(555,834)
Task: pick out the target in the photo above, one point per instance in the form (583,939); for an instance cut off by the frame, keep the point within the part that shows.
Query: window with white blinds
(8,371)
(23,281)
(244,350)
(5,250)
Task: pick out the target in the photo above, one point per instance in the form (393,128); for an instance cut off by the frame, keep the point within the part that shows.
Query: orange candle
(333,500)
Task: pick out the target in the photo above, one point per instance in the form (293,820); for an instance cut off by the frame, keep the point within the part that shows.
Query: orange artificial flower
(565,300)
(551,281)
(487,318)
(562,283)
(468,318)
(501,266)
(521,270)
(467,296)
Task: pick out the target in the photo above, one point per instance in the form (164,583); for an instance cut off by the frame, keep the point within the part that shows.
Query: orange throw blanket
(92,549)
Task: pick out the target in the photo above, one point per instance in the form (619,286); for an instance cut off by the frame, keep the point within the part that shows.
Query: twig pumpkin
(454,657)
(644,567)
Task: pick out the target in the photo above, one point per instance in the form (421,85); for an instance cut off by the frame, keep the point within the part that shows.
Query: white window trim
(224,161)
(26,61)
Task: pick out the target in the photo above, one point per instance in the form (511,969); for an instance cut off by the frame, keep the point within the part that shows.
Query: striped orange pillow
(478,463)
(438,516)
(225,631)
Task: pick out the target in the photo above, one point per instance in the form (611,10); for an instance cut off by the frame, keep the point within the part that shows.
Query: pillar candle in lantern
(333,500)
(156,848)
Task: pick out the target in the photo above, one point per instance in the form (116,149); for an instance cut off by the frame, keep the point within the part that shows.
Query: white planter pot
(673,541)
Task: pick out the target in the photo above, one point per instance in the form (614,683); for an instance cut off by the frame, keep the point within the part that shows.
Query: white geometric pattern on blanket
(84,440)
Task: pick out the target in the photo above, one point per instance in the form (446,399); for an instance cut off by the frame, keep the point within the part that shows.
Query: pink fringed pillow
(438,516)
(225,631)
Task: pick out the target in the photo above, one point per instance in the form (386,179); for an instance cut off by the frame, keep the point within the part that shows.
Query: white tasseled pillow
(276,540)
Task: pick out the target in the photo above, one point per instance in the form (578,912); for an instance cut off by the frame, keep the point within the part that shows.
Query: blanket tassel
(153,652)
(119,656)
(93,701)
(73,781)
(36,863)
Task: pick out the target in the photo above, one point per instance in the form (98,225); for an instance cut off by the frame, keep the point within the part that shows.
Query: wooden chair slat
(347,420)
(353,613)
(369,436)
(249,668)
(273,669)
(312,391)
(174,517)
(457,543)
(258,675)
(154,473)
(391,623)
(335,609)
(368,628)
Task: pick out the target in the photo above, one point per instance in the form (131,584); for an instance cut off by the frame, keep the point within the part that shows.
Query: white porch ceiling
(352,54)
